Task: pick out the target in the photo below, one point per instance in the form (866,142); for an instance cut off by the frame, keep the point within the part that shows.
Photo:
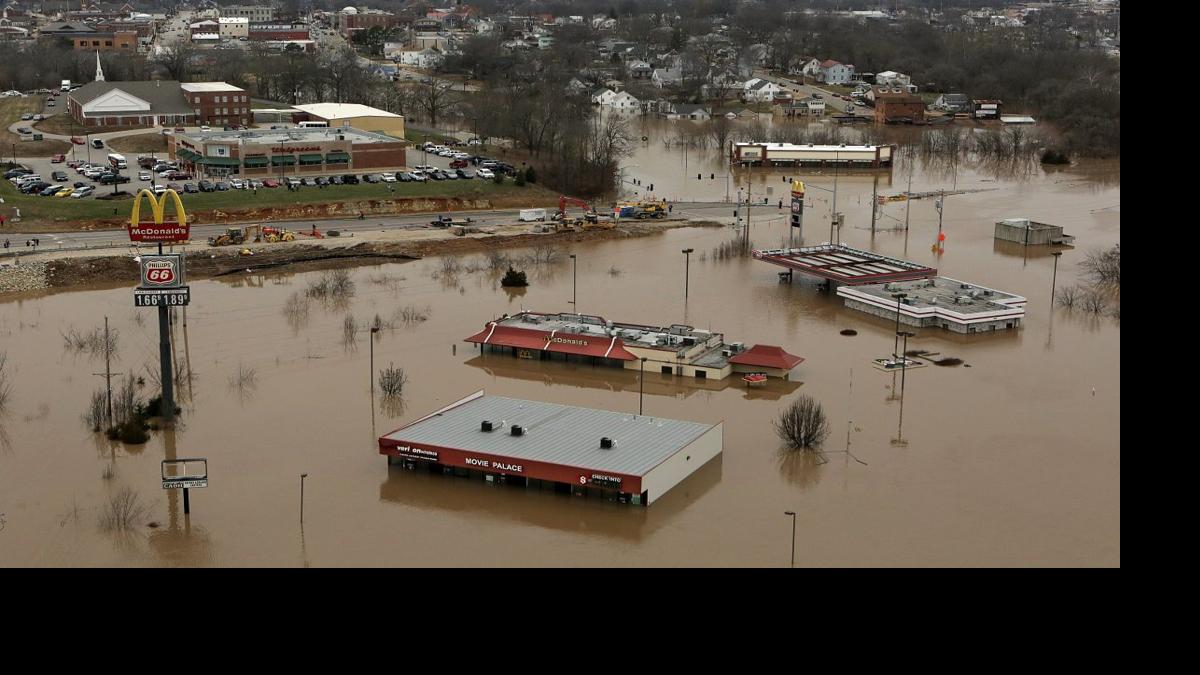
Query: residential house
(685,111)
(953,103)
(724,84)
(624,101)
(760,91)
(576,87)
(833,72)
(639,70)
(890,78)
(666,77)
(805,107)
(986,109)
(545,41)
(603,96)
(424,58)
(810,67)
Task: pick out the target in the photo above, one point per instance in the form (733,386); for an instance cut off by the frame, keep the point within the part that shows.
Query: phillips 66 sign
(162,271)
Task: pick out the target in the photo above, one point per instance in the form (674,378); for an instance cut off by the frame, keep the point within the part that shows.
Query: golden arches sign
(160,230)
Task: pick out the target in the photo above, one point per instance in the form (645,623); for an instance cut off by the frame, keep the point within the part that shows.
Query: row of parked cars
(28,182)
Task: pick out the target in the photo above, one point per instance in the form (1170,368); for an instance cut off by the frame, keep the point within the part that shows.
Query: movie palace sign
(494,466)
(161,230)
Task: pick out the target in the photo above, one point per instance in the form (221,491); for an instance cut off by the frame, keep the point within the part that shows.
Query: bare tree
(802,425)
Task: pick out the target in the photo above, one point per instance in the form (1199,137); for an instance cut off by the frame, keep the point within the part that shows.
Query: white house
(811,68)
(624,101)
(759,90)
(890,78)
(603,96)
(833,72)
(576,86)
(685,111)
(666,77)
(425,58)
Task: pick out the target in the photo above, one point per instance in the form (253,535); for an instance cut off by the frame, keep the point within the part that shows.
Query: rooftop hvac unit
(737,346)
(517,430)
(964,285)
(606,443)
(962,300)
(726,353)
(933,300)
(486,425)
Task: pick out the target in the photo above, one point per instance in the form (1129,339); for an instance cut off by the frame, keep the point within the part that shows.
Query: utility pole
(834,215)
(908,198)
(874,201)
(749,202)
(108,369)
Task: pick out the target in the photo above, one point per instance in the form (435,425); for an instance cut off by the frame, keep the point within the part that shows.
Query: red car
(58,159)
(271,183)
(459,164)
(77,140)
(179,129)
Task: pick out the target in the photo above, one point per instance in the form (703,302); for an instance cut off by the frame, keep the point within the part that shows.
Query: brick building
(120,41)
(894,105)
(269,32)
(217,103)
(266,153)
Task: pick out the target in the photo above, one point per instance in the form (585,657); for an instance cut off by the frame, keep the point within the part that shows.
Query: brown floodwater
(1012,461)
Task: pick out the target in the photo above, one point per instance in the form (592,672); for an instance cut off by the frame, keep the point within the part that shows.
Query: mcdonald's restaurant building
(267,153)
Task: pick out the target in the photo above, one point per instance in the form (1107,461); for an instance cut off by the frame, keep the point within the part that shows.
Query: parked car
(321,180)
(387,177)
(159,189)
(449,175)
(114,179)
(308,182)
(175,186)
(270,183)
(81,192)
(50,190)
(24,130)
(34,186)
(97,143)
(77,140)
(336,180)
(59,175)
(207,186)
(294,182)
(26,117)
(459,164)
(190,188)
(404,177)
(178,175)
(65,191)
(484,173)
(350,179)
(205,127)
(80,184)
(237,184)
(222,186)
(373,178)
(58,159)
(435,175)
(144,175)
(253,184)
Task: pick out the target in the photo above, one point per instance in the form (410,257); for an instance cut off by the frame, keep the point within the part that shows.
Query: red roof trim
(767,356)
(547,341)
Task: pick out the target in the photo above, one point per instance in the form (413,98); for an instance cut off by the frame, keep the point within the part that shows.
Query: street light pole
(793,515)
(898,297)
(574,278)
(1054,279)
(302,477)
(641,388)
(687,259)
(371,339)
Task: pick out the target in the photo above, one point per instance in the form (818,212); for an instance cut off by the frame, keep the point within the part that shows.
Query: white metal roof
(208,86)
(331,111)
(554,433)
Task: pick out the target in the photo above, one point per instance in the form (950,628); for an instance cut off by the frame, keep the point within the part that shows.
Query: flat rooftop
(294,135)
(844,264)
(635,335)
(208,86)
(554,433)
(331,111)
(941,292)
(1025,223)
(809,146)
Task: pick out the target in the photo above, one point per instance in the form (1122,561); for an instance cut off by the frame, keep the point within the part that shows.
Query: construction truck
(277,234)
(651,210)
(232,236)
(589,214)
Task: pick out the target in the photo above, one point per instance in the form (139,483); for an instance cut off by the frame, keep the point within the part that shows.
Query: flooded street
(1012,461)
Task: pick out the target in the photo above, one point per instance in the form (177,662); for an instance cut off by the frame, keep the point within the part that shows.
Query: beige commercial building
(355,115)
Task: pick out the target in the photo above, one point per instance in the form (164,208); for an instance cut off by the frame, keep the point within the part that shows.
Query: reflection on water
(1012,461)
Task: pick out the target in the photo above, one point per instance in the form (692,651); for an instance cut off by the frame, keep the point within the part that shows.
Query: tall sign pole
(163,280)
(797,211)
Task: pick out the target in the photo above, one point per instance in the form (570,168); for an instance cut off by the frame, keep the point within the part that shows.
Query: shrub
(513,278)
(5,385)
(1052,156)
(392,380)
(1104,267)
(530,175)
(520,179)
(124,511)
(802,425)
(97,410)
(498,179)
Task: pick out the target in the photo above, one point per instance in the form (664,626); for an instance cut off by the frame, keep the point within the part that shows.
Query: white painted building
(760,91)
(234,27)
(834,72)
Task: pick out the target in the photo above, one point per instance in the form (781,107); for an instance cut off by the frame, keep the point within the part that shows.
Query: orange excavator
(589,214)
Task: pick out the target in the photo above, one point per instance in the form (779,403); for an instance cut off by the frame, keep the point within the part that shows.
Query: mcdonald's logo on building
(160,229)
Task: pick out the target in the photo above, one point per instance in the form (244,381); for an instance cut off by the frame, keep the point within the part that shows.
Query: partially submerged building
(1031,233)
(618,456)
(938,302)
(676,349)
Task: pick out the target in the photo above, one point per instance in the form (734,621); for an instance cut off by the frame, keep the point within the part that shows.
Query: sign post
(186,474)
(797,211)
(163,280)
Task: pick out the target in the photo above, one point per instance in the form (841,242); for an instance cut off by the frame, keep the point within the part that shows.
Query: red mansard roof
(567,343)
(767,356)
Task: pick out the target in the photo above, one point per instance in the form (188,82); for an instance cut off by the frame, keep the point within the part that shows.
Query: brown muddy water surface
(1013,461)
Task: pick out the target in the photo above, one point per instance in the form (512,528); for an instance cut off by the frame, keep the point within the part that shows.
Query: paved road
(832,102)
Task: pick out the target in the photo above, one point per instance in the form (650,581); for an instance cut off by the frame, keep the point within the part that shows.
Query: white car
(81,192)
(159,189)
(388,177)
(418,176)
(205,127)
(484,173)
(144,175)
(237,184)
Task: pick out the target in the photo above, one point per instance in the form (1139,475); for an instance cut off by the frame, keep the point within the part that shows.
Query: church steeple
(99,71)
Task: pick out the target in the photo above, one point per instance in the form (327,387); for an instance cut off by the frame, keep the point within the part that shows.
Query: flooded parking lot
(1012,458)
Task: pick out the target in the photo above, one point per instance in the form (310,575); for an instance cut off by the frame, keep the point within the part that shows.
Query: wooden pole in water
(108,369)
(874,202)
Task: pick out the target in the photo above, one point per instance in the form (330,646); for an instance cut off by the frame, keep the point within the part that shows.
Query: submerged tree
(802,425)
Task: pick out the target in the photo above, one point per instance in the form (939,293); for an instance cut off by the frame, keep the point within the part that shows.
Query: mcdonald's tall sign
(160,230)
